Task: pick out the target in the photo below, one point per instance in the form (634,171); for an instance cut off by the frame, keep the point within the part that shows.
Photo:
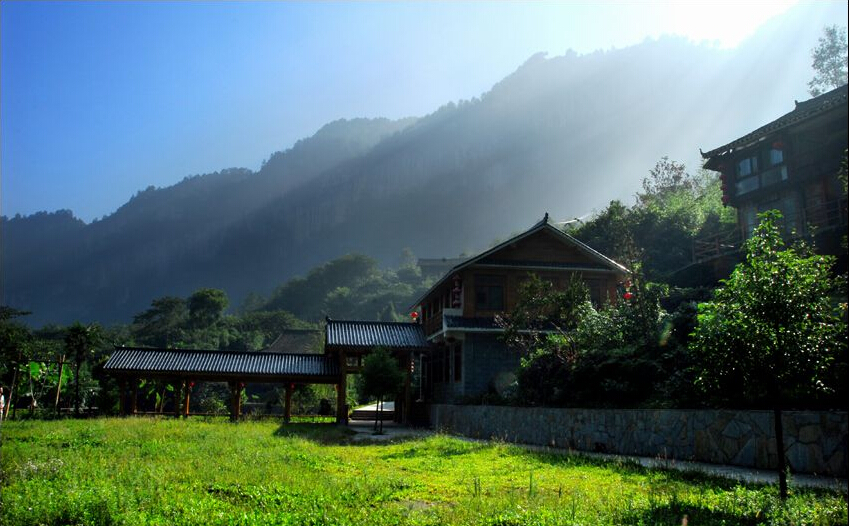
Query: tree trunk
(779,447)
(13,392)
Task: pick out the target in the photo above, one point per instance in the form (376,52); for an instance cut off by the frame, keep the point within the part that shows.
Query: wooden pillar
(287,410)
(341,388)
(235,401)
(187,399)
(122,395)
(408,382)
(134,403)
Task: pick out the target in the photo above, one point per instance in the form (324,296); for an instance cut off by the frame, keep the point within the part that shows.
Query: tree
(206,306)
(161,324)
(830,59)
(771,328)
(381,377)
(80,341)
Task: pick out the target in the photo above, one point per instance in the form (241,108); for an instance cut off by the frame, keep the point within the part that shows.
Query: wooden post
(134,403)
(122,396)
(178,394)
(187,399)
(408,381)
(233,409)
(341,388)
(287,412)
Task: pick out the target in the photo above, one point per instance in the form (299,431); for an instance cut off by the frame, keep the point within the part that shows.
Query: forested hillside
(563,135)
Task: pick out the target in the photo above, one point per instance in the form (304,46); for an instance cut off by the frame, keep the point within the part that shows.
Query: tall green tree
(381,378)
(80,342)
(830,59)
(162,324)
(772,328)
(206,306)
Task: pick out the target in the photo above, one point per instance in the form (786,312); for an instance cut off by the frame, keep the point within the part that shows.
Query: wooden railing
(831,214)
(716,245)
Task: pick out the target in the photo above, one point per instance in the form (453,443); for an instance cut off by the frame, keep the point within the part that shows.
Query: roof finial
(545,219)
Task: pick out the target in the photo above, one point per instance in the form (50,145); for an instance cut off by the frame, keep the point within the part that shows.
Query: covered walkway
(183,367)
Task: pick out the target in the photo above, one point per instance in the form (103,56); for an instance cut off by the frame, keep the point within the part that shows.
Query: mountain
(564,134)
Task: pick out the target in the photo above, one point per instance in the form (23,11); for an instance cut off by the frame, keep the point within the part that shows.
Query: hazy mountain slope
(564,135)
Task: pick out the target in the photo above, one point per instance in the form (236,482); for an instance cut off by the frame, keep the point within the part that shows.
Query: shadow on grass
(322,433)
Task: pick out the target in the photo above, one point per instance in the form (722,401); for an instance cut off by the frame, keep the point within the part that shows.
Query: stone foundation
(816,441)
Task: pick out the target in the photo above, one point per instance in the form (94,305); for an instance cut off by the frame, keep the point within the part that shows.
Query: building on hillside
(468,358)
(790,164)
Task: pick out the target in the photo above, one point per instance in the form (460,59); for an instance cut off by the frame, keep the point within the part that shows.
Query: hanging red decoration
(291,386)
(778,145)
(627,295)
(414,315)
(191,384)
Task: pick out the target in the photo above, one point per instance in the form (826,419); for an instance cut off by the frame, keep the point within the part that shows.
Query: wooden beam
(135,401)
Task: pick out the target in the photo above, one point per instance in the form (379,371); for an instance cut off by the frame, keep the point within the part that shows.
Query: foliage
(350,287)
(772,332)
(80,341)
(629,354)
(206,306)
(830,59)
(674,208)
(206,471)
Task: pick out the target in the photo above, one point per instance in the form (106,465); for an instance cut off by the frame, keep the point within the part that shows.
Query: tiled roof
(803,111)
(369,334)
(224,363)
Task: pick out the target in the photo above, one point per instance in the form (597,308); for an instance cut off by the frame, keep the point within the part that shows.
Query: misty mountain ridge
(564,134)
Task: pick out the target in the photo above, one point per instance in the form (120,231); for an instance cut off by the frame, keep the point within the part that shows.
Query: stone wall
(816,441)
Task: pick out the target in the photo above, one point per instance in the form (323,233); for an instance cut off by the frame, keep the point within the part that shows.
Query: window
(747,185)
(747,166)
(776,157)
(774,175)
(489,293)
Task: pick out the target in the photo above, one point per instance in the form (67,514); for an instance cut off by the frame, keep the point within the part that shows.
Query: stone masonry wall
(816,441)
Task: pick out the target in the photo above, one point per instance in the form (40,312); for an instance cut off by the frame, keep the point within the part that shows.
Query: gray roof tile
(206,362)
(369,334)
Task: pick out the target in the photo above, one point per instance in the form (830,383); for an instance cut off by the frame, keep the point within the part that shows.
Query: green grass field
(171,472)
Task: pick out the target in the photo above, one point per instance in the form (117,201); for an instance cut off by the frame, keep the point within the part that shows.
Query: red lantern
(191,384)
(414,315)
(292,386)
(778,145)
(627,295)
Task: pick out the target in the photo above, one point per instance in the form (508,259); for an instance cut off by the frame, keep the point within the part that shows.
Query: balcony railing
(825,216)
(711,247)
(820,218)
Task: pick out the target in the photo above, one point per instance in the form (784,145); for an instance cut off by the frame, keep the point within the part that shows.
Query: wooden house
(468,357)
(790,164)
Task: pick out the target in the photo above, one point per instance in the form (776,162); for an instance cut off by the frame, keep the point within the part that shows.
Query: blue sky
(100,100)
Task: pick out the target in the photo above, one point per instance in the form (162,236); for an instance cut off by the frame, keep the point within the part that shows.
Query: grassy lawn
(170,472)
